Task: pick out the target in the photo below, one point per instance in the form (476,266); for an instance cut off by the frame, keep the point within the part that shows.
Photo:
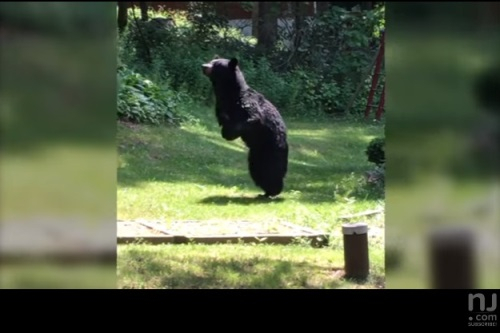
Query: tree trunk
(322,7)
(255,19)
(144,10)
(268,25)
(122,16)
(299,14)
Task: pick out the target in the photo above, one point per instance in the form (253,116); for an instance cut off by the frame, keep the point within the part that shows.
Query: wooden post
(122,16)
(356,258)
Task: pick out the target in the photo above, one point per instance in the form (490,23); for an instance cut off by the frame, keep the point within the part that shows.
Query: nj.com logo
(481,310)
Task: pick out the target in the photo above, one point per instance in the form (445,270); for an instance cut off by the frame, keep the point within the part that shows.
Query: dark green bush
(142,101)
(376,151)
(375,178)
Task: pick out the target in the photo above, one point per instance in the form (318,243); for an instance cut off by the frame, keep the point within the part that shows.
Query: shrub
(142,101)
(376,151)
(376,154)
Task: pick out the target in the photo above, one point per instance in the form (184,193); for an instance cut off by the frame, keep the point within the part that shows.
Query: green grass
(191,173)
(39,274)
(233,266)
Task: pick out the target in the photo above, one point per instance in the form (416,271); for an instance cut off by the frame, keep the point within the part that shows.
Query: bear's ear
(207,68)
(233,63)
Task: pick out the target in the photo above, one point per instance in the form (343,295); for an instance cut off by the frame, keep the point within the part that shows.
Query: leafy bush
(375,179)
(376,151)
(336,52)
(359,187)
(156,52)
(376,154)
(142,101)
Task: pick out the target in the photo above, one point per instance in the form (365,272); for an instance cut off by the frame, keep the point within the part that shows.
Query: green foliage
(142,101)
(376,154)
(338,48)
(321,72)
(206,22)
(351,187)
(156,51)
(376,151)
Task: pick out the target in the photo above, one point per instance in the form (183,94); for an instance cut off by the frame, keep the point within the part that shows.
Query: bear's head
(224,74)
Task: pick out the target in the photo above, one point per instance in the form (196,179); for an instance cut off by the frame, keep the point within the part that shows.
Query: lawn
(191,173)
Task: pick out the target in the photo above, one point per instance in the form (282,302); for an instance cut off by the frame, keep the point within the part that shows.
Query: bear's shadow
(222,200)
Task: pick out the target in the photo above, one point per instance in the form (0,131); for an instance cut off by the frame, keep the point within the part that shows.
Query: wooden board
(216,232)
(131,232)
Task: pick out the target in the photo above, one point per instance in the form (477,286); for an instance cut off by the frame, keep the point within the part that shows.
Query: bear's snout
(206,69)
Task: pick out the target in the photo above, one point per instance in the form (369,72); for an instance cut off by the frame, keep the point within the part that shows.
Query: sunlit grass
(191,173)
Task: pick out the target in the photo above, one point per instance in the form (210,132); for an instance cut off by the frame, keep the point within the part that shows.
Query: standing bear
(244,113)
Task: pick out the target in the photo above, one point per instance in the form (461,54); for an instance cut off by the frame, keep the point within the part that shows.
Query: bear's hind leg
(265,174)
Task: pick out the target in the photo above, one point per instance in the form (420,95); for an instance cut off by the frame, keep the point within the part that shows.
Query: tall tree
(267,30)
(122,16)
(322,7)
(144,10)
(299,13)
(255,19)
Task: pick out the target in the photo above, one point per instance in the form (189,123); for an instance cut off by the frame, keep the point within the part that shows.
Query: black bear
(244,113)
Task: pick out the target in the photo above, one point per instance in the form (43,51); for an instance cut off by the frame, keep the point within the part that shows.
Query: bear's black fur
(243,112)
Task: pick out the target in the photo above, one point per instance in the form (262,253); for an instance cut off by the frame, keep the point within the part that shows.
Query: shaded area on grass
(321,156)
(198,266)
(225,200)
(191,173)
